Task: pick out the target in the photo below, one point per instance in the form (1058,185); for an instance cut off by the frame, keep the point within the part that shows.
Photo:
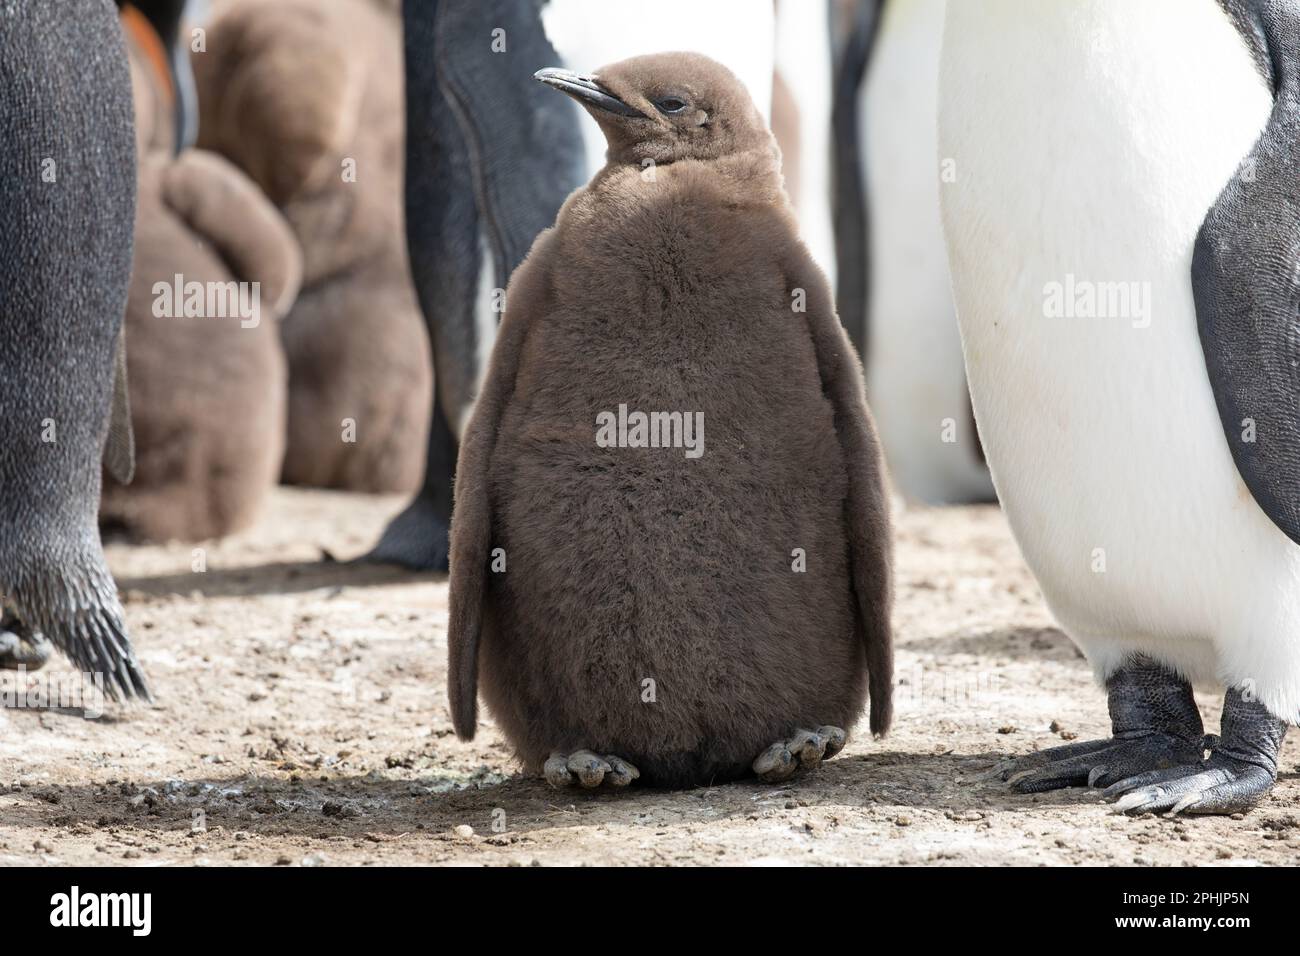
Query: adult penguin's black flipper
(490,157)
(1246,278)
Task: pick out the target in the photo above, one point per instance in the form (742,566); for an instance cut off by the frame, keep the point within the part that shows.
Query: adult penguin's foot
(1156,726)
(804,751)
(1240,771)
(20,646)
(587,770)
(417,539)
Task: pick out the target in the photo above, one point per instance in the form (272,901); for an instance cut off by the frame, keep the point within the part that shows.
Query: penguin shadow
(362,808)
(962,786)
(1042,643)
(17,708)
(275,577)
(510,811)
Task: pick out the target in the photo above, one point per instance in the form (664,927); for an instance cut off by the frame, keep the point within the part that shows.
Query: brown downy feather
(674,282)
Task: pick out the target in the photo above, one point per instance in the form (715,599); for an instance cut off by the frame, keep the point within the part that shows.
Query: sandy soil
(301,719)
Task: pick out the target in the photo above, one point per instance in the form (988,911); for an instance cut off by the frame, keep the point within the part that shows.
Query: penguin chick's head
(665,107)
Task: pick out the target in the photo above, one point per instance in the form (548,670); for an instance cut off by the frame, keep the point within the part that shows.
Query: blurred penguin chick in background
(915,373)
(206,377)
(306,98)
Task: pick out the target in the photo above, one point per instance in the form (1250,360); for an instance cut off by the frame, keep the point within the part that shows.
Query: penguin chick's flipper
(582,768)
(866,505)
(804,751)
(20,646)
(471,526)
(1245,281)
(1156,726)
(1240,771)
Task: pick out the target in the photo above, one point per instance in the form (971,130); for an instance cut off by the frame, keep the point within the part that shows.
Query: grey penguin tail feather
(80,614)
(96,641)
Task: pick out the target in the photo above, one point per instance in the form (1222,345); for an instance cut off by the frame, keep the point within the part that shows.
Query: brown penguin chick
(306,98)
(696,611)
(207,390)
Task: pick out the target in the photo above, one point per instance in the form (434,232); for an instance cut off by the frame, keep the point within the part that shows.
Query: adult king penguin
(171,57)
(633,602)
(915,379)
(67,199)
(489,159)
(1123,231)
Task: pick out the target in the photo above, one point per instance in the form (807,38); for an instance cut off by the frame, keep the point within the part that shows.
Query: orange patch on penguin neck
(146,39)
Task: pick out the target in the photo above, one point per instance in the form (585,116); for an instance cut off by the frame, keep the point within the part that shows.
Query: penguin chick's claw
(21,647)
(1239,773)
(804,751)
(589,771)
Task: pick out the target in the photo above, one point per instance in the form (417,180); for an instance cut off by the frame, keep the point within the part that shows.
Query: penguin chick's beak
(585,90)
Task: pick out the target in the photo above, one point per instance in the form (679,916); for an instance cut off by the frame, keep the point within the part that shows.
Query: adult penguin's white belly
(915,380)
(1090,138)
(803,61)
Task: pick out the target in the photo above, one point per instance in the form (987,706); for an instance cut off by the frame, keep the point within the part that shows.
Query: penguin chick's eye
(670,105)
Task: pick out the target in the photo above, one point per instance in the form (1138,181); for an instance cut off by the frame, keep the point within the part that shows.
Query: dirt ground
(301,719)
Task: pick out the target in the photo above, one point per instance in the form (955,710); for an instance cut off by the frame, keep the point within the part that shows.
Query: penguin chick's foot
(1156,726)
(582,768)
(21,647)
(804,751)
(1241,768)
